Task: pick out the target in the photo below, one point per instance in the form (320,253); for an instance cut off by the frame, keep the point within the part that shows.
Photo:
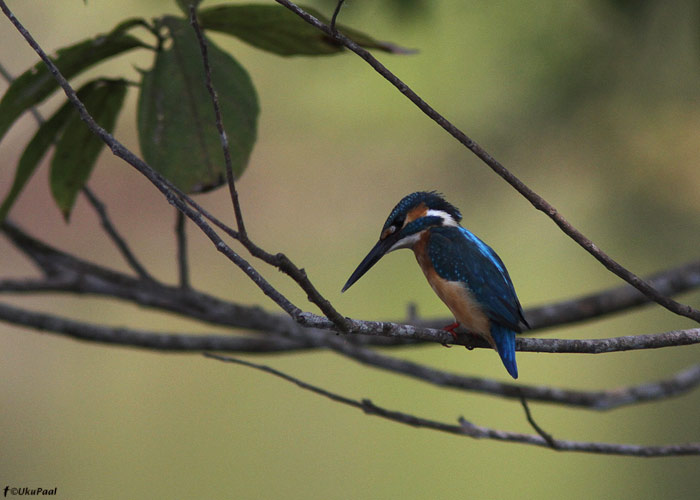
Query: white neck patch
(447,219)
(406,242)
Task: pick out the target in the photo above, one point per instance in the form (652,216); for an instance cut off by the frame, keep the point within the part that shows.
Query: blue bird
(463,271)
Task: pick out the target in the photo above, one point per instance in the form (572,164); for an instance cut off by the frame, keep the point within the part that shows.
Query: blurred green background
(594,104)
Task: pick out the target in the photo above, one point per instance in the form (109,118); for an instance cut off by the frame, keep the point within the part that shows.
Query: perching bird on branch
(463,271)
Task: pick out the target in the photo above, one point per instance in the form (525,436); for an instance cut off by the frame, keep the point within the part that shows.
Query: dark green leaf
(37,83)
(78,148)
(276,29)
(177,127)
(36,149)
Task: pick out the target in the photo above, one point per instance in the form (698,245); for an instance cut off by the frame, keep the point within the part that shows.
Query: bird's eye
(387,232)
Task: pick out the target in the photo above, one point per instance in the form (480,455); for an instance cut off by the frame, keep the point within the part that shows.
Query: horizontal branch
(67,273)
(314,339)
(675,385)
(128,337)
(70,274)
(466,428)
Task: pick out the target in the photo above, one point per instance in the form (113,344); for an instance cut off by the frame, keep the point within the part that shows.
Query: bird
(464,272)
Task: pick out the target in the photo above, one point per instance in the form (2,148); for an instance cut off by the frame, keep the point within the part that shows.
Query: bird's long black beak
(377,252)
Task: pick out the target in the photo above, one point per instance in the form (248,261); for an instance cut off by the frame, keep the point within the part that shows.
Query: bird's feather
(458,255)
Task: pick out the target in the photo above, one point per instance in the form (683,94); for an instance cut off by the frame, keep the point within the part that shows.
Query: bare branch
(67,273)
(668,282)
(279,260)
(677,384)
(143,339)
(82,277)
(469,429)
(536,200)
(72,273)
(336,11)
(290,337)
(219,121)
(181,241)
(114,235)
(546,436)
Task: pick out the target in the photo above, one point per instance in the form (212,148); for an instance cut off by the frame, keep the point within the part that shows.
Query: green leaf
(176,122)
(78,148)
(276,29)
(36,149)
(37,83)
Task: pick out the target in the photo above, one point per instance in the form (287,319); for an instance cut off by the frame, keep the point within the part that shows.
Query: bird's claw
(451,328)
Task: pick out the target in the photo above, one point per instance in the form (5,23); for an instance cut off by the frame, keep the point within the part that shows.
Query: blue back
(458,255)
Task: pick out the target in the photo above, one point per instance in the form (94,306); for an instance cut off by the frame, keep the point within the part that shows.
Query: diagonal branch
(114,235)
(668,282)
(536,200)
(469,429)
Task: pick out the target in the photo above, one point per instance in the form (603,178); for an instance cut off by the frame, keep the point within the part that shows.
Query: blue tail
(505,342)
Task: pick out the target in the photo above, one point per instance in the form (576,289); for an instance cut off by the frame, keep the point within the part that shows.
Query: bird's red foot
(451,328)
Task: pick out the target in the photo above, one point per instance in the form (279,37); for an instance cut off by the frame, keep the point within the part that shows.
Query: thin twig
(219,121)
(536,200)
(114,235)
(336,11)
(528,415)
(181,240)
(472,430)
(279,260)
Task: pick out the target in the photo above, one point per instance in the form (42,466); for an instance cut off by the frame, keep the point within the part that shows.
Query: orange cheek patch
(416,213)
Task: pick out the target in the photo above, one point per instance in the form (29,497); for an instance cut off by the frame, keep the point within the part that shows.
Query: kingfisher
(467,275)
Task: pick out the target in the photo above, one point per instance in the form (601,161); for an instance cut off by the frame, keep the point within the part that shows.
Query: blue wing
(458,255)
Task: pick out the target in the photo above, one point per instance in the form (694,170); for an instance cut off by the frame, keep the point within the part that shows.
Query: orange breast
(455,296)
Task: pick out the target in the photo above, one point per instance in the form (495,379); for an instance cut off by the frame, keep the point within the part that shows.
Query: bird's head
(413,215)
